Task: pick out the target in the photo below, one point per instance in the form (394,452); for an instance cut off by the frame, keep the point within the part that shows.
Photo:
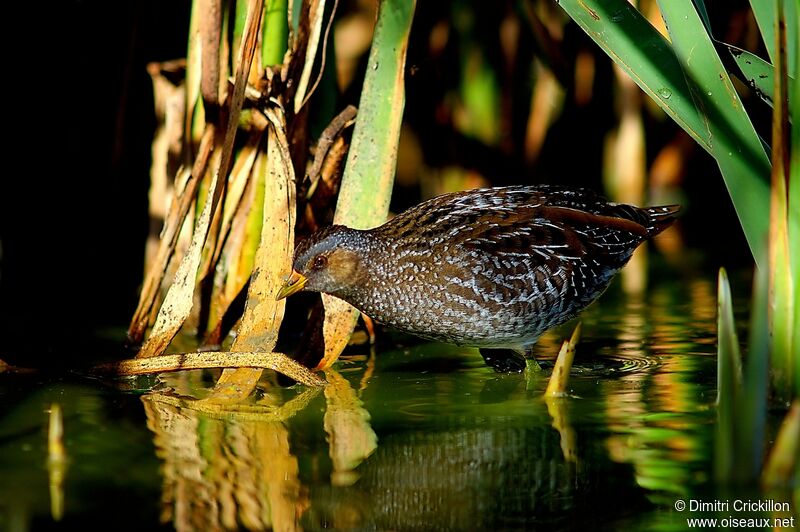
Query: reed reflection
(234,466)
(350,437)
(225,469)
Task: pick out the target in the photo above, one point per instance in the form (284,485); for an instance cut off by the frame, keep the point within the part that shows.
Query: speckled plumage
(491,268)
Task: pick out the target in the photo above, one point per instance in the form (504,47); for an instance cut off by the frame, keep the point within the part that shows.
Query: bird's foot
(532,365)
(505,360)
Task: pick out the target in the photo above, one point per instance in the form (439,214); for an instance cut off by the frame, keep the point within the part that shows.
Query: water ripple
(609,365)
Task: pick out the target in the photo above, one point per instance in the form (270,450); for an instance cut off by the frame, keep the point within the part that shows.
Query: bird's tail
(659,218)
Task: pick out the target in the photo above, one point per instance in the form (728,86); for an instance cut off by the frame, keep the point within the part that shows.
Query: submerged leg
(531,364)
(532,368)
(504,360)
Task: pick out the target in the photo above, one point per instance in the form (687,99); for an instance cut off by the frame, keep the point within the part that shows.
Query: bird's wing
(553,233)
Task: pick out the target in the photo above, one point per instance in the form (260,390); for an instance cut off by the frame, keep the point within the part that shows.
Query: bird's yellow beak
(295,283)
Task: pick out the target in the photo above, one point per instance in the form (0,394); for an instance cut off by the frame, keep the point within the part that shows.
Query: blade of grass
(734,143)
(781,292)
(753,70)
(645,55)
(369,173)
(729,382)
(794,201)
(782,465)
(751,407)
(742,394)
(372,158)
(756,72)
(764,13)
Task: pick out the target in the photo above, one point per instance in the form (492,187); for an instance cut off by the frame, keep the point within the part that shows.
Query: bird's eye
(320,261)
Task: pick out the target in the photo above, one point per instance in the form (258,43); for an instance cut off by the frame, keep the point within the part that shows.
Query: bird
(491,268)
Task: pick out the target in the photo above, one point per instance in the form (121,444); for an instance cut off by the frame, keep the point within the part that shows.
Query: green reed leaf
(275,32)
(679,76)
(764,12)
(369,172)
(734,143)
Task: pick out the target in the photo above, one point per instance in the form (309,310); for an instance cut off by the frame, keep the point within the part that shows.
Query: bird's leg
(369,325)
(504,360)
(532,368)
(531,364)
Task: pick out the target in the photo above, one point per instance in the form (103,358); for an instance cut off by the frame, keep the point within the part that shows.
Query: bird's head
(328,261)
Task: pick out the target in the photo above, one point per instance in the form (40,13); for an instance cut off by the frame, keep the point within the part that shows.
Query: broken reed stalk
(211,359)
(557,386)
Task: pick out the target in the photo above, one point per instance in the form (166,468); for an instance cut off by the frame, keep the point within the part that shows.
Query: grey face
(328,260)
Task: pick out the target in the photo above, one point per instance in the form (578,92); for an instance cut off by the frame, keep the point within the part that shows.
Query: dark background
(74,210)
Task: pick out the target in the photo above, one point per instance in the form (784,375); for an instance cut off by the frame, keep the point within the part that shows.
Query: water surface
(407,436)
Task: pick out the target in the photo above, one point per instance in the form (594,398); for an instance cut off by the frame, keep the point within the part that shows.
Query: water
(420,436)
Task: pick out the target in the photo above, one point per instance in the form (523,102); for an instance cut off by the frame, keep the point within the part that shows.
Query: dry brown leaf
(263,314)
(240,85)
(178,301)
(315,13)
(194,115)
(176,217)
(233,271)
(326,141)
(340,320)
(237,184)
(169,101)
